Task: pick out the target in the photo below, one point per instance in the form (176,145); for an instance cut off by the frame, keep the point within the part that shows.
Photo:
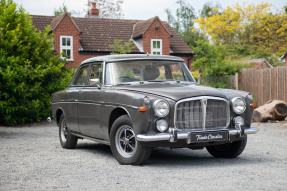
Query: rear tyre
(67,140)
(229,150)
(125,148)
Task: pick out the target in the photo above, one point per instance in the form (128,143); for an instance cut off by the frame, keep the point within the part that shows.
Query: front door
(89,103)
(71,97)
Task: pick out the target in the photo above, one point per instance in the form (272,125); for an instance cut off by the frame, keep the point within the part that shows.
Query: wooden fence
(264,84)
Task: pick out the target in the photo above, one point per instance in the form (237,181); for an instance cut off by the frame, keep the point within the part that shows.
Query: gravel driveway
(32,159)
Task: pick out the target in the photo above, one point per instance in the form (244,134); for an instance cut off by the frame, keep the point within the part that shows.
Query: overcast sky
(132,9)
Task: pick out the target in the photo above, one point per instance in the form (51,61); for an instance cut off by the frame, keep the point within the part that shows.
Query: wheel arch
(59,112)
(116,113)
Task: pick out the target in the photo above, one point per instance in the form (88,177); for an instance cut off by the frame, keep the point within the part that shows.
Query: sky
(132,9)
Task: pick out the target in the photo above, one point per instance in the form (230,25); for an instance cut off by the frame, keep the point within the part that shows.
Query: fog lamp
(238,120)
(161,125)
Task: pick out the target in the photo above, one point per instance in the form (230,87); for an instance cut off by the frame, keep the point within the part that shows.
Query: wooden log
(271,110)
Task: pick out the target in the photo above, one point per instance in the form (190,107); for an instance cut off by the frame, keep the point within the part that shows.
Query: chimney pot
(93,5)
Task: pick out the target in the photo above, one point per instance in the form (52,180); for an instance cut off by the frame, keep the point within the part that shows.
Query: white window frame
(67,47)
(156,50)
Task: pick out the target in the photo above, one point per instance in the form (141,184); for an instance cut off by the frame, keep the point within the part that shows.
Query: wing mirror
(95,82)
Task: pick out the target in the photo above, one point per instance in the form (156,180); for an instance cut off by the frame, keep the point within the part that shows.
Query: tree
(64,8)
(108,8)
(247,24)
(183,22)
(209,9)
(122,48)
(30,71)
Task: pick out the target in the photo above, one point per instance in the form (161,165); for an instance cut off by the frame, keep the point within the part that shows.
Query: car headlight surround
(161,108)
(250,96)
(161,125)
(238,105)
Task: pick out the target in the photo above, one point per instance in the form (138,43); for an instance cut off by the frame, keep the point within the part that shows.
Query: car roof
(123,57)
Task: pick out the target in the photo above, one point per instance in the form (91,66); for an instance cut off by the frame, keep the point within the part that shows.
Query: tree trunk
(272,110)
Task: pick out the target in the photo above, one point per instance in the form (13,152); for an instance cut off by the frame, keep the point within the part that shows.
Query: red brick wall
(153,33)
(286,60)
(185,58)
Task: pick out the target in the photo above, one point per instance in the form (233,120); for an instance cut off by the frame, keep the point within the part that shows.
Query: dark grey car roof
(122,57)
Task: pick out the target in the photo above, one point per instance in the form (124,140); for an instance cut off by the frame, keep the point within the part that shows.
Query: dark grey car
(136,102)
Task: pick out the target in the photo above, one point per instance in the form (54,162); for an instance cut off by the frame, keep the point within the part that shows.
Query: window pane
(154,53)
(68,41)
(158,53)
(64,42)
(82,76)
(154,44)
(64,51)
(68,53)
(158,44)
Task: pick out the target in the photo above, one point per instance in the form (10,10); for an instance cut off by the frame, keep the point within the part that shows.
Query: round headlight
(161,108)
(238,105)
(161,125)
(238,120)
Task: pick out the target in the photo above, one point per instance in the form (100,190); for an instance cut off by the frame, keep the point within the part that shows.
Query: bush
(30,71)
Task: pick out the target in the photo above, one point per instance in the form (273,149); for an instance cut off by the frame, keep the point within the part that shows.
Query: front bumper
(174,135)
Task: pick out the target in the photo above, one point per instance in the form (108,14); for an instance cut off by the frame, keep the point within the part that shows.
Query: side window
(96,74)
(82,76)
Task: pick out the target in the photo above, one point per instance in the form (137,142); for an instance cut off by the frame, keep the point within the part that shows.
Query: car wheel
(229,150)
(125,148)
(67,140)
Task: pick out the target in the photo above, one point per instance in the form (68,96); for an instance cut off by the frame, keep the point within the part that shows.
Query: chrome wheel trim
(64,131)
(126,142)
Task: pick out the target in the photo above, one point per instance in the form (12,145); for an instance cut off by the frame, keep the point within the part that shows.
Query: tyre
(125,148)
(229,150)
(67,140)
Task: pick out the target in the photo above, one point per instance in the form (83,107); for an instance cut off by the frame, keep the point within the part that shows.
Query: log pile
(272,110)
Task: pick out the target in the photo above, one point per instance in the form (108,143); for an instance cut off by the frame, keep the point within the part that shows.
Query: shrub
(30,71)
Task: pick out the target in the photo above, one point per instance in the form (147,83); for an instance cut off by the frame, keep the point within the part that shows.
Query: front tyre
(67,140)
(125,148)
(229,150)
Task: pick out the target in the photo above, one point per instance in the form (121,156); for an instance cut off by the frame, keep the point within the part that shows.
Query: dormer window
(66,47)
(156,46)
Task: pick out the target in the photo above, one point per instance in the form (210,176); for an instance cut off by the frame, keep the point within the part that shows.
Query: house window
(66,47)
(156,46)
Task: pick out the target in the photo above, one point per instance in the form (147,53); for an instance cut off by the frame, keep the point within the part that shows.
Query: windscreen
(152,71)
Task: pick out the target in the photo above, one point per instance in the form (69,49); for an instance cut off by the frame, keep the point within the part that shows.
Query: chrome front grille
(202,113)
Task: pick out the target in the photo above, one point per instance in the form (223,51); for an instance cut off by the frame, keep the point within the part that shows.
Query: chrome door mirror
(95,82)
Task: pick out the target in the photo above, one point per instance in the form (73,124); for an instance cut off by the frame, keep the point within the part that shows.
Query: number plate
(194,137)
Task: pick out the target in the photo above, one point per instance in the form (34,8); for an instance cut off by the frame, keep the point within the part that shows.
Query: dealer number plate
(210,136)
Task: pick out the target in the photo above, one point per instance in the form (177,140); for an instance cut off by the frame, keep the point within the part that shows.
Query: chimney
(94,12)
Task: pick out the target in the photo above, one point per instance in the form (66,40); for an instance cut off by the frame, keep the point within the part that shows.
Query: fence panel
(265,84)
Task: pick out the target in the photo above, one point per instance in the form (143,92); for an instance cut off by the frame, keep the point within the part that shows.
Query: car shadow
(165,157)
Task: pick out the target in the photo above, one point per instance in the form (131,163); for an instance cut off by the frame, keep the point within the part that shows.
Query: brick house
(83,38)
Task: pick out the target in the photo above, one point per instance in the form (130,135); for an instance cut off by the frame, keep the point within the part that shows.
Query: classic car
(137,102)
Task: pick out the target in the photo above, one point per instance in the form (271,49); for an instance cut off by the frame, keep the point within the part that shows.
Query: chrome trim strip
(184,135)
(104,73)
(202,98)
(92,139)
(98,103)
(204,104)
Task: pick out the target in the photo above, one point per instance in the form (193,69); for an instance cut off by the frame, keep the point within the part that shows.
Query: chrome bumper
(173,135)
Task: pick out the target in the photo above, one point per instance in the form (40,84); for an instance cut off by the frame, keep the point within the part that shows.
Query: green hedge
(30,71)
